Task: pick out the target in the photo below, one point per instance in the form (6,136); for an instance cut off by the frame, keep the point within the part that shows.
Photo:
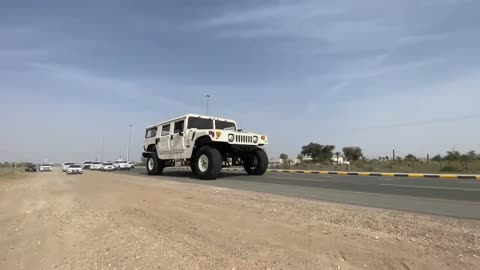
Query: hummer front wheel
(256,163)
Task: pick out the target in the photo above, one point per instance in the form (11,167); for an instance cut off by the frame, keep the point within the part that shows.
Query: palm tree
(337,154)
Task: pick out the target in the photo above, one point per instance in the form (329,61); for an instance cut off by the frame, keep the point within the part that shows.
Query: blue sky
(376,74)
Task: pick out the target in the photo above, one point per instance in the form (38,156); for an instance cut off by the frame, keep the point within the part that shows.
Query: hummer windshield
(226,125)
(200,123)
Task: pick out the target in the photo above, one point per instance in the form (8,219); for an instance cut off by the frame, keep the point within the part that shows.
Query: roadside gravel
(110,221)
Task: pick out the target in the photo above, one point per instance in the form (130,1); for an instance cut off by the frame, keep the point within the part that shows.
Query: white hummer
(204,143)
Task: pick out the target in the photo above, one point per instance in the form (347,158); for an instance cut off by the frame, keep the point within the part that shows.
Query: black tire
(256,163)
(154,165)
(211,170)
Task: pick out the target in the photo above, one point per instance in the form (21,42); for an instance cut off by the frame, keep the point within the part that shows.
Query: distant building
(339,161)
(274,162)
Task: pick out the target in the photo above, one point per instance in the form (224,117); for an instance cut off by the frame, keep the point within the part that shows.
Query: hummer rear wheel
(207,163)
(154,165)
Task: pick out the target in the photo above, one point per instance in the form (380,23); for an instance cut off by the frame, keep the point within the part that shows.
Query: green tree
(410,157)
(472,155)
(453,155)
(439,159)
(352,153)
(318,152)
(466,158)
(283,156)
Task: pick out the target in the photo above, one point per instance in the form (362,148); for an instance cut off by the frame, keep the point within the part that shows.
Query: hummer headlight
(231,137)
(255,139)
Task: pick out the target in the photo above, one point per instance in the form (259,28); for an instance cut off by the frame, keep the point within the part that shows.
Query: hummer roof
(190,115)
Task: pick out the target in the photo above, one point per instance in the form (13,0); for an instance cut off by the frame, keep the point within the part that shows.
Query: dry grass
(400,167)
(11,173)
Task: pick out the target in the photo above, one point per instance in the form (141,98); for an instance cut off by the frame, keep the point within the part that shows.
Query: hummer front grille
(243,139)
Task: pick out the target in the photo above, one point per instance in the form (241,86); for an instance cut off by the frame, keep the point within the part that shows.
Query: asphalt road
(456,198)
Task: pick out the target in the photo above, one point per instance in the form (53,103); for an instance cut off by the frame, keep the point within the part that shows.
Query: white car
(108,166)
(65,166)
(74,169)
(122,165)
(87,164)
(206,143)
(96,165)
(45,167)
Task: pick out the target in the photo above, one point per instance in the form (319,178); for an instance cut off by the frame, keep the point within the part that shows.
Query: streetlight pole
(207,97)
(129,137)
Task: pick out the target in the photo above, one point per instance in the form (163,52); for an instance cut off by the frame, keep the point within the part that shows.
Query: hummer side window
(178,127)
(151,133)
(166,130)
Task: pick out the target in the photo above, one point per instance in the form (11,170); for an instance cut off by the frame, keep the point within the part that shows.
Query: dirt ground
(110,221)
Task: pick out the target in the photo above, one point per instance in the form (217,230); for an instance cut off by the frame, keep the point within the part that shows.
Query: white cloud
(75,79)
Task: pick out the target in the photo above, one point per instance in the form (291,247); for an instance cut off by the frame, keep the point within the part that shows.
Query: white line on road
(298,179)
(386,179)
(413,186)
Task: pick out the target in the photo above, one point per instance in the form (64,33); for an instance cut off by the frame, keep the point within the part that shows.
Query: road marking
(448,188)
(298,179)
(386,179)
(464,182)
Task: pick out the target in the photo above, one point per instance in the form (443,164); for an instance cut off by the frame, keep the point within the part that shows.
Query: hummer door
(163,145)
(177,139)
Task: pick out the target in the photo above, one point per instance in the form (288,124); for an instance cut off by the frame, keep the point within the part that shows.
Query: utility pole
(207,97)
(129,136)
(393,160)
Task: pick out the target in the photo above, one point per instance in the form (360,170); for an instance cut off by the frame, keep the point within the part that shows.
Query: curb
(410,175)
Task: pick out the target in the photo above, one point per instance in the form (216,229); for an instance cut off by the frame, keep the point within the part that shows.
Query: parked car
(65,166)
(30,167)
(96,165)
(122,165)
(132,164)
(107,166)
(87,164)
(74,169)
(45,167)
